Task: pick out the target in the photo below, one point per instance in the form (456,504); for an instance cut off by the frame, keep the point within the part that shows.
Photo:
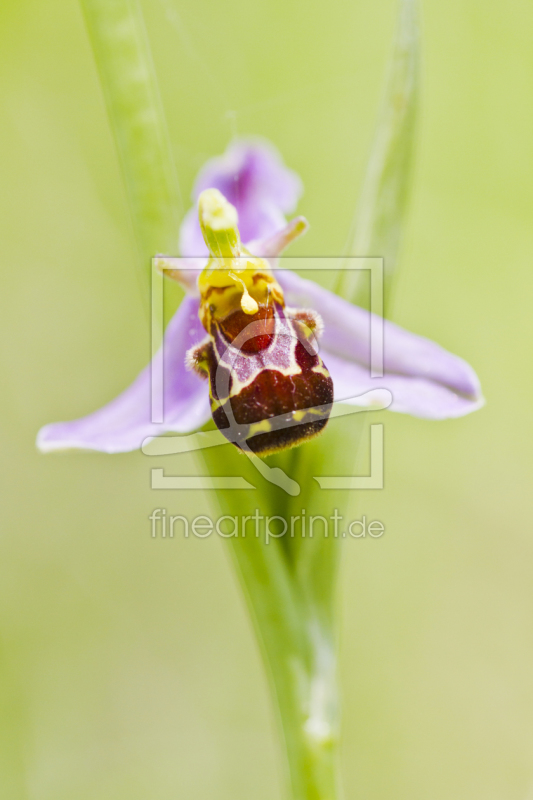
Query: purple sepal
(125,422)
(425,380)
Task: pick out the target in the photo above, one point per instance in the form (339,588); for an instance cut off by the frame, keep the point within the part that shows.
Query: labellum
(269,389)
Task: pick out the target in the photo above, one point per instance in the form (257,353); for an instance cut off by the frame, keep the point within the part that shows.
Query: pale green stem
(300,654)
(291,584)
(293,615)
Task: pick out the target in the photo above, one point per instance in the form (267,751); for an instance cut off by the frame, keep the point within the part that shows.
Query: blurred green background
(127,665)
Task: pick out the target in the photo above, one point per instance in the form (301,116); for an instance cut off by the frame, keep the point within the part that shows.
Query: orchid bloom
(423,379)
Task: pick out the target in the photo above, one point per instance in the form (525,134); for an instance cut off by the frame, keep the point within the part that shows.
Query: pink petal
(125,422)
(440,384)
(419,397)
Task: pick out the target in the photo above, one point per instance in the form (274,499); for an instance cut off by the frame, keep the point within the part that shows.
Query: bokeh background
(127,665)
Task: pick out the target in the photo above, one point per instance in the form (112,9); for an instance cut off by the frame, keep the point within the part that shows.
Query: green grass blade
(383,202)
(122,54)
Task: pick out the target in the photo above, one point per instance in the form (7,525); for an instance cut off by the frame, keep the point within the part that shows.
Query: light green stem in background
(383,201)
(122,54)
(300,654)
(291,586)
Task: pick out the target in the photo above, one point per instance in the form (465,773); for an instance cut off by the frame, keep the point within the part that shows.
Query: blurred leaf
(382,207)
(122,54)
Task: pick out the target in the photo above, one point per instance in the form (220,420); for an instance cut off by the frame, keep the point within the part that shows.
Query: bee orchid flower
(243,196)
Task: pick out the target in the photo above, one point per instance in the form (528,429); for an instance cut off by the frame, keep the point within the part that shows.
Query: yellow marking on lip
(320,368)
(299,415)
(259,427)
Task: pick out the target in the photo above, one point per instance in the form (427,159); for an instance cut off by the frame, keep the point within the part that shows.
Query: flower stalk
(299,651)
(291,587)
